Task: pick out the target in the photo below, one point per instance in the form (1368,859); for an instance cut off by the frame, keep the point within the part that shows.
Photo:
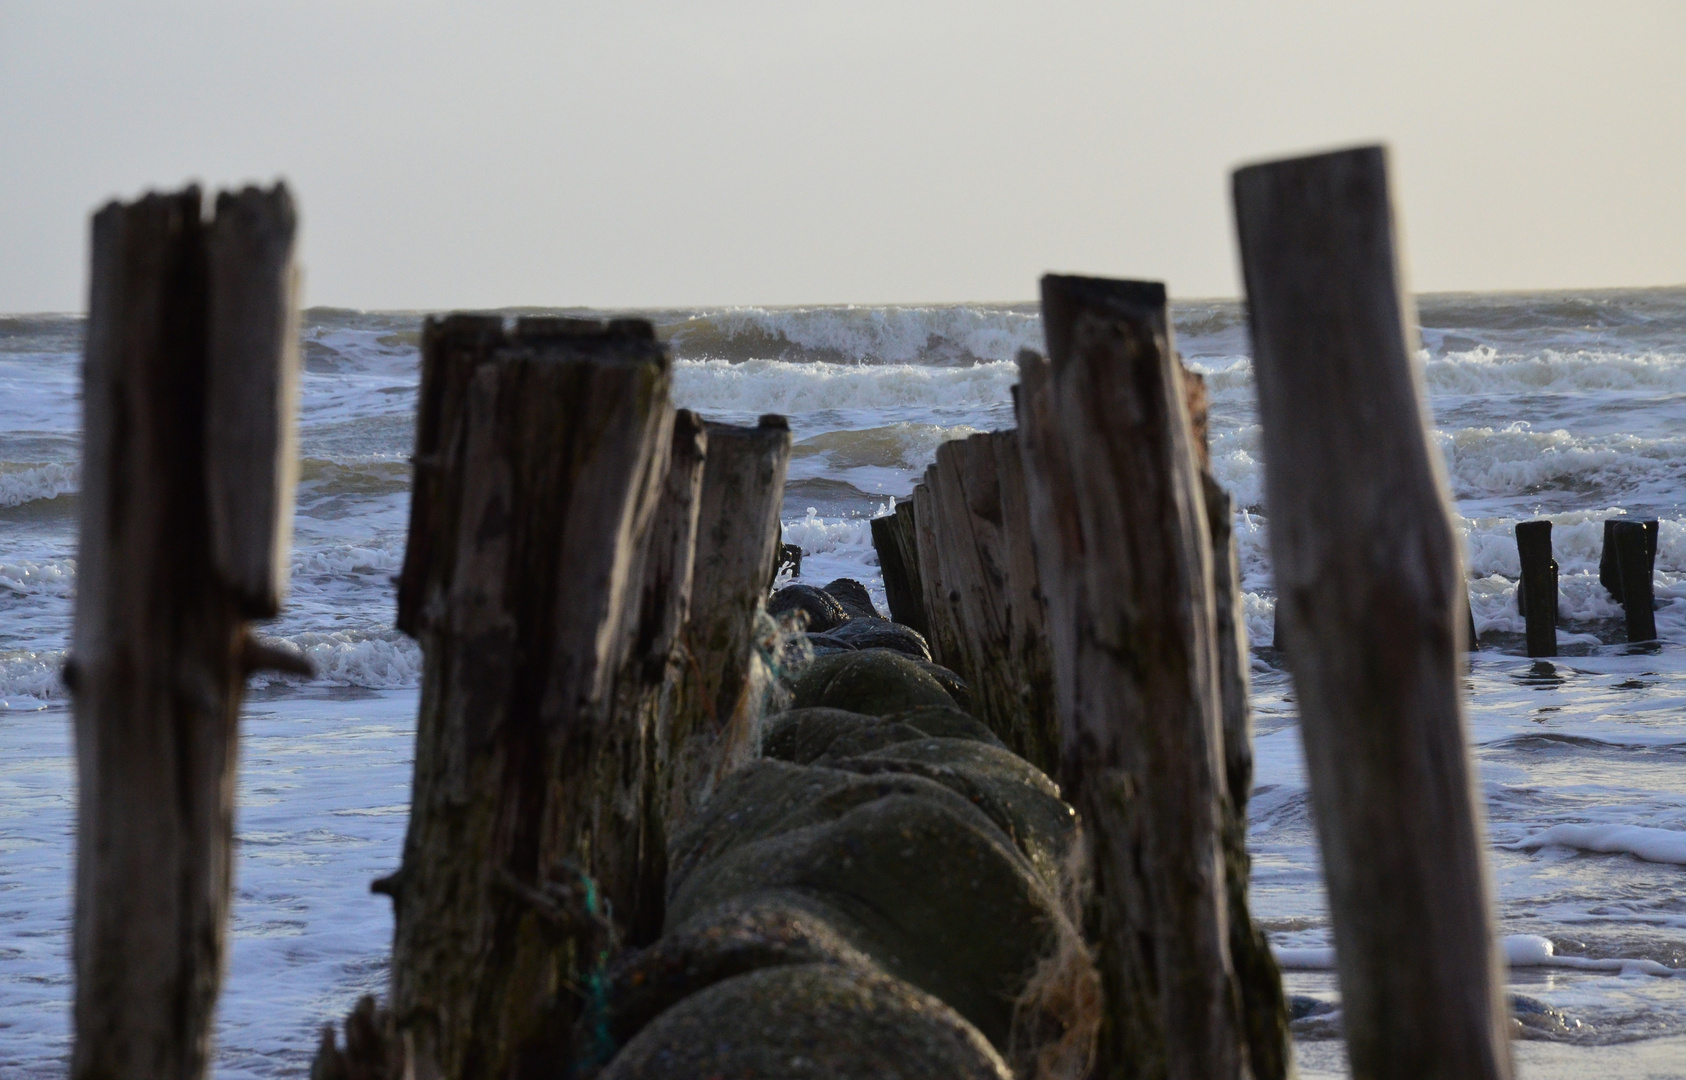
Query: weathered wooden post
(1536,592)
(895,538)
(542,456)
(737,542)
(189,410)
(1367,580)
(1609,571)
(1123,548)
(995,635)
(1635,554)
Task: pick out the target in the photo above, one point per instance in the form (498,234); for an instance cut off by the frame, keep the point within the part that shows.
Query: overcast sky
(723,152)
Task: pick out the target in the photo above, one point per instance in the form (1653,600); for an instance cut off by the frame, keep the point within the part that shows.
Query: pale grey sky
(738,152)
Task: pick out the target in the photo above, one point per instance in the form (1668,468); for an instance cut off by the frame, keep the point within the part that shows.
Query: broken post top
(1064,296)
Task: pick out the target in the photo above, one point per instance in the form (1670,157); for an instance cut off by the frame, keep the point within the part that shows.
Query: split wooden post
(995,627)
(189,409)
(737,542)
(895,538)
(1367,577)
(1609,573)
(1536,592)
(541,460)
(1123,548)
(1635,555)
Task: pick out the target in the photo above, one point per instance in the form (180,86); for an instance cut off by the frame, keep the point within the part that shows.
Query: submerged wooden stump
(1124,549)
(190,401)
(1635,544)
(980,583)
(1368,586)
(543,461)
(1536,592)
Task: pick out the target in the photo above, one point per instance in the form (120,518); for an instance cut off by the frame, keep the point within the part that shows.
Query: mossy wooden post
(1367,576)
(895,539)
(1536,592)
(1636,551)
(991,603)
(541,461)
(737,542)
(189,410)
(1124,551)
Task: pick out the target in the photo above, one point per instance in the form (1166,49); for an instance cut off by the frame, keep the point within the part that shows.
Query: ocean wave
(1640,841)
(1519,950)
(1485,370)
(35,483)
(904,445)
(945,334)
(822,536)
(780,386)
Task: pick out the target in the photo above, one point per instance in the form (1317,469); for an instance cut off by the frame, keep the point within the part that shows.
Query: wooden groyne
(664,824)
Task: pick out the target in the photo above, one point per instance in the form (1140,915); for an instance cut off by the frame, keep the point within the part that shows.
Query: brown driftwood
(995,635)
(1367,579)
(542,459)
(895,539)
(737,541)
(191,355)
(1124,552)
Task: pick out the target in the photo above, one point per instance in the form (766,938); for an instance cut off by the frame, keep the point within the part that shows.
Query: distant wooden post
(737,543)
(189,409)
(542,458)
(1124,552)
(990,602)
(1367,578)
(1635,555)
(895,538)
(1536,592)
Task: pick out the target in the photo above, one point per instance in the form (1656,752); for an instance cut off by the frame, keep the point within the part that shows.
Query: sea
(1569,407)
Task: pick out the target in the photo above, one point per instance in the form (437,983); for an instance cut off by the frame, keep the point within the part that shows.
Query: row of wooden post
(584,570)
(1624,569)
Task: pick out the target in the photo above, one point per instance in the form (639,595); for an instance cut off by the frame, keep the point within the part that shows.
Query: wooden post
(1367,580)
(189,405)
(737,541)
(1123,547)
(990,603)
(1536,592)
(542,459)
(1635,554)
(1264,1006)
(895,538)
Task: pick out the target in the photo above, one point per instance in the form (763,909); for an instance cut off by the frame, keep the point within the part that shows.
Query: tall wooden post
(1636,551)
(1536,592)
(1367,583)
(737,542)
(1124,552)
(189,408)
(895,538)
(542,456)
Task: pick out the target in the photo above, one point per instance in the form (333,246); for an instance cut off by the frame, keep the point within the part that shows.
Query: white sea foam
(1519,950)
(872,335)
(38,482)
(1640,841)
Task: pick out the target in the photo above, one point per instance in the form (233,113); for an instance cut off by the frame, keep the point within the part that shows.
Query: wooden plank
(737,542)
(894,540)
(995,634)
(1124,554)
(1536,592)
(251,445)
(1367,578)
(160,649)
(549,472)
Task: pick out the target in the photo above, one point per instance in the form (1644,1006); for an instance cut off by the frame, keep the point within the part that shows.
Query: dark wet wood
(895,538)
(1536,592)
(1367,578)
(1124,552)
(543,460)
(1636,552)
(185,503)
